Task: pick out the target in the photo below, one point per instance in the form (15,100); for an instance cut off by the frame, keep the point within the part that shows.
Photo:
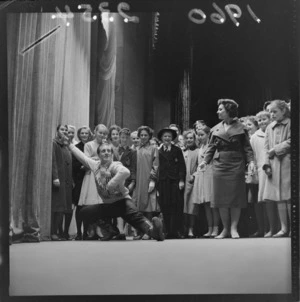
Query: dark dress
(62,170)
(128,158)
(171,170)
(229,151)
(78,175)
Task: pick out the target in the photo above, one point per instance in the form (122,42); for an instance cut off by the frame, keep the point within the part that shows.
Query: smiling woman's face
(144,136)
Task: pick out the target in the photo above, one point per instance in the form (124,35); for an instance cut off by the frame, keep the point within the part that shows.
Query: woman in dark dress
(172,172)
(229,150)
(78,170)
(61,200)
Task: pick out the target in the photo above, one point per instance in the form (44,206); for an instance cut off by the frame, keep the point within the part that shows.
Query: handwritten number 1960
(197,15)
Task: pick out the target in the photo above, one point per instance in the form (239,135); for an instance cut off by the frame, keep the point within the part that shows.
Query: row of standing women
(176,178)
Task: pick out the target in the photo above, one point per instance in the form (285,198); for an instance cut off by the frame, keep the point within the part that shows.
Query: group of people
(122,183)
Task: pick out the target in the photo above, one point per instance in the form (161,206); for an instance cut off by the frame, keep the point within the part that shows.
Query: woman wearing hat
(172,173)
(229,150)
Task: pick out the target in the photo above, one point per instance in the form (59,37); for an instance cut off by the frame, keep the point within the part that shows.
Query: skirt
(229,188)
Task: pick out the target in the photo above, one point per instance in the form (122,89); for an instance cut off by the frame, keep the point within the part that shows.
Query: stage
(191,266)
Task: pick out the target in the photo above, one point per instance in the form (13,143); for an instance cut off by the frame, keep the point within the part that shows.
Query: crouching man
(110,178)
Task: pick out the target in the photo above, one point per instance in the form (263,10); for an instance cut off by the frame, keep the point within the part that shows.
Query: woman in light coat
(277,164)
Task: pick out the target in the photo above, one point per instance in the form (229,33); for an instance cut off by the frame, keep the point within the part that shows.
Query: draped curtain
(47,85)
(184,96)
(103,104)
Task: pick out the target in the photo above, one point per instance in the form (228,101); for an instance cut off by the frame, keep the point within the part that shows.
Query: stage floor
(194,266)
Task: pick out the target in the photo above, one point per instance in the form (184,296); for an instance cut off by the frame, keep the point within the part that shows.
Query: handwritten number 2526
(122,7)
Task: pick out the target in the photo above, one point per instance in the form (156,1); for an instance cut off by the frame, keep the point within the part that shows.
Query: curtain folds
(185,94)
(106,73)
(47,85)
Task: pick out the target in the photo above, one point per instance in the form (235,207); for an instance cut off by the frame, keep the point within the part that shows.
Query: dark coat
(78,173)
(128,158)
(171,164)
(229,152)
(171,170)
(62,170)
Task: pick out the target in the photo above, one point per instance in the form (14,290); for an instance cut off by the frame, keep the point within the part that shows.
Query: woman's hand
(202,166)
(181,185)
(271,153)
(151,186)
(192,179)
(56,183)
(268,171)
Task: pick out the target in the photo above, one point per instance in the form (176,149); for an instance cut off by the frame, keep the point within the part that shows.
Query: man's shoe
(138,237)
(156,232)
(54,237)
(119,237)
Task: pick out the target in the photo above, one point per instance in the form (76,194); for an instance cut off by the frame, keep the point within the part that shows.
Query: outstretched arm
(85,160)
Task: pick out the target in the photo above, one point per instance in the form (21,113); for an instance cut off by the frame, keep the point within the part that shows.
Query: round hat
(162,131)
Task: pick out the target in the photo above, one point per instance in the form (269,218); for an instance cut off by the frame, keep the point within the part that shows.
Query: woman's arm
(248,149)
(285,146)
(211,149)
(155,165)
(54,163)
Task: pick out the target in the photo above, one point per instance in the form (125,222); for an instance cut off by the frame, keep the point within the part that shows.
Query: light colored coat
(89,194)
(191,162)
(257,142)
(147,169)
(278,136)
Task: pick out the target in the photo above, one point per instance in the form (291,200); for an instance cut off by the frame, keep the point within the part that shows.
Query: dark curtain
(47,85)
(103,99)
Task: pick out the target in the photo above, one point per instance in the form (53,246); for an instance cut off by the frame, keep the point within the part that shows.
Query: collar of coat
(144,145)
(283,122)
(236,128)
(125,148)
(192,148)
(58,140)
(260,133)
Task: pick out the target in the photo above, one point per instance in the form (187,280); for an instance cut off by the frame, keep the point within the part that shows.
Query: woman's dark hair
(266,104)
(230,106)
(111,129)
(57,128)
(147,129)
